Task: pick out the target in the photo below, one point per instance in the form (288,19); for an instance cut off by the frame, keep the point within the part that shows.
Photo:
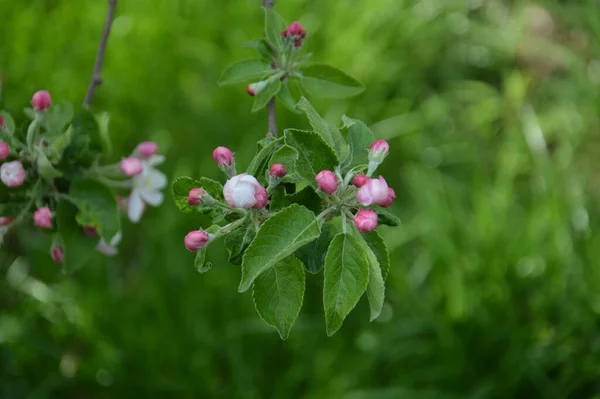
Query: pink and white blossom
(131,166)
(390,198)
(147,188)
(109,249)
(146,149)
(12,174)
(373,192)
(244,191)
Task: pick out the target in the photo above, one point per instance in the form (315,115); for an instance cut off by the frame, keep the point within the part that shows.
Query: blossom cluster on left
(55,178)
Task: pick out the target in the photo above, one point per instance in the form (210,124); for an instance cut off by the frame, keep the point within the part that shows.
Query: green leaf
(377,245)
(306,197)
(286,156)
(182,187)
(286,97)
(103,120)
(313,254)
(303,60)
(376,286)
(278,237)
(245,70)
(62,142)
(260,161)
(359,138)
(330,134)
(200,260)
(45,167)
(9,122)
(346,279)
(97,207)
(314,155)
(238,241)
(262,97)
(278,294)
(57,117)
(263,48)
(12,209)
(274,25)
(85,140)
(326,81)
(77,247)
(386,218)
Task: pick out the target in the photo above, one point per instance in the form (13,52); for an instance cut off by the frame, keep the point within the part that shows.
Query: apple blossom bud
(41,100)
(6,220)
(261,198)
(42,218)
(327,181)
(365,220)
(12,174)
(2,125)
(390,198)
(278,170)
(195,196)
(4,150)
(255,88)
(131,166)
(58,255)
(373,192)
(90,231)
(195,240)
(295,31)
(377,153)
(360,180)
(223,156)
(147,149)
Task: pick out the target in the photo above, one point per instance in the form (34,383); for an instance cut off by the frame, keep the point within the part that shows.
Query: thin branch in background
(271,104)
(97,74)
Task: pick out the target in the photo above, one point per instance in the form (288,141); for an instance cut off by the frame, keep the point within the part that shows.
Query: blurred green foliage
(491,110)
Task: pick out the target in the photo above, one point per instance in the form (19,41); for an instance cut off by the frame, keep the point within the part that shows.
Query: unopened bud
(195,196)
(58,255)
(2,124)
(360,180)
(390,198)
(377,153)
(6,220)
(255,88)
(326,181)
(4,150)
(41,100)
(366,220)
(12,174)
(195,240)
(261,198)
(90,231)
(223,156)
(131,166)
(42,218)
(278,170)
(147,149)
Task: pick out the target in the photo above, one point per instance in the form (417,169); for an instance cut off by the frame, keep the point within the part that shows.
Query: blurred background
(491,110)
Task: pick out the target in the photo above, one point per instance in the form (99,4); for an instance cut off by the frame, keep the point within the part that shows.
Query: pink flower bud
(131,166)
(327,181)
(277,170)
(58,255)
(365,220)
(296,31)
(195,240)
(42,218)
(244,191)
(195,196)
(373,192)
(4,151)
(90,231)
(6,220)
(261,198)
(390,198)
(222,156)
(147,148)
(12,174)
(41,100)
(360,180)
(379,150)
(255,88)
(1,123)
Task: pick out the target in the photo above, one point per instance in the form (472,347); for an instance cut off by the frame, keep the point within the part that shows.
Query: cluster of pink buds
(295,33)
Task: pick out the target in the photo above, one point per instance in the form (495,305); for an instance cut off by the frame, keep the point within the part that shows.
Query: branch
(271,105)
(97,74)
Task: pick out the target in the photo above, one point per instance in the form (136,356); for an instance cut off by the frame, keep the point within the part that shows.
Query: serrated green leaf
(103,120)
(262,48)
(313,254)
(97,207)
(238,241)
(45,167)
(286,97)
(57,117)
(278,294)
(302,60)
(346,279)
(376,286)
(85,141)
(386,218)
(182,187)
(330,134)
(377,245)
(286,156)
(9,122)
(359,138)
(12,209)
(261,159)
(245,70)
(314,155)
(77,247)
(262,97)
(278,237)
(306,197)
(200,260)
(274,25)
(326,81)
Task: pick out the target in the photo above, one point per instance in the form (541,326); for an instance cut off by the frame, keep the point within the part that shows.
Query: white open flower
(241,191)
(109,249)
(146,188)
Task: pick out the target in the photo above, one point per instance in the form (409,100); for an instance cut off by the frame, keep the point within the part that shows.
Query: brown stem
(271,105)
(97,74)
